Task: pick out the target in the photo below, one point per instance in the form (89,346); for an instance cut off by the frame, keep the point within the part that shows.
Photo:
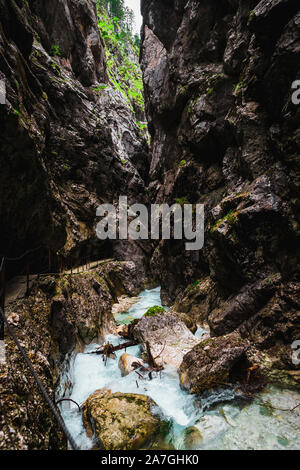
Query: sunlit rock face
(69,140)
(218,78)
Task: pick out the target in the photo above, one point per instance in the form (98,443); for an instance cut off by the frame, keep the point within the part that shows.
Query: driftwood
(110,349)
(150,357)
(107,350)
(152,360)
(156,357)
(140,369)
(128,331)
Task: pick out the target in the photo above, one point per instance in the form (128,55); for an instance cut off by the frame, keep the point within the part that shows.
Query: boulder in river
(127,363)
(192,438)
(214,363)
(206,429)
(168,337)
(120,421)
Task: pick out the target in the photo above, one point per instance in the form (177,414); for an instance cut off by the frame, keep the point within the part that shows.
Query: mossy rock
(121,421)
(153,311)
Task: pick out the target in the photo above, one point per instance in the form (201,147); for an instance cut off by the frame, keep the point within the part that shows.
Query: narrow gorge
(141,343)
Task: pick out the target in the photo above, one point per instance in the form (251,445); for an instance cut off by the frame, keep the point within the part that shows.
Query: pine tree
(117,9)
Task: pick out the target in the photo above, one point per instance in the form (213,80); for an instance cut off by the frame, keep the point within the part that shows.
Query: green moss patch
(152,311)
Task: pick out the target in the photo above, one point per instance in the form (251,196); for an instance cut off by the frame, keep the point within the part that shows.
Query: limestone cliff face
(218,77)
(69,139)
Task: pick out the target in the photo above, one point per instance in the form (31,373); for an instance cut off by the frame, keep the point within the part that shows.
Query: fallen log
(150,357)
(110,349)
(140,375)
(152,360)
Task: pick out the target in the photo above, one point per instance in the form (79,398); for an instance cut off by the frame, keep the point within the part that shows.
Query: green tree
(113,7)
(117,8)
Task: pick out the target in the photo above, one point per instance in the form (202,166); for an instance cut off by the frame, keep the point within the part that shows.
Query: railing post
(2,299)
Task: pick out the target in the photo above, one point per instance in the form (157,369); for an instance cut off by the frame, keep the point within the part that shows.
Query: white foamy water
(227,426)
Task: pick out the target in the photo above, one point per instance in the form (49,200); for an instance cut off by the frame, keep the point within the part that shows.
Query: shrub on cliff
(152,311)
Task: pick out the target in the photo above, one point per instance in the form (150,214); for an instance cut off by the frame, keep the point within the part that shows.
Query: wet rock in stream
(168,337)
(121,421)
(128,363)
(213,363)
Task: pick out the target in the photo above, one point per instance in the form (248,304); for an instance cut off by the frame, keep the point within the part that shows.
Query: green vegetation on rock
(55,50)
(122,56)
(231,218)
(182,200)
(155,310)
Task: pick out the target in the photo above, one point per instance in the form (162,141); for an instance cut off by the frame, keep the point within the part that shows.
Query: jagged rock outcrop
(225,133)
(121,421)
(68,136)
(59,317)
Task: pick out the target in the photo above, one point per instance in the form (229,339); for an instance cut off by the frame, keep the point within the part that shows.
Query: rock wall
(60,317)
(218,77)
(69,140)
(224,132)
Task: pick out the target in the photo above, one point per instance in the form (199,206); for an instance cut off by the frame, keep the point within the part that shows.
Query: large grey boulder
(213,363)
(168,338)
